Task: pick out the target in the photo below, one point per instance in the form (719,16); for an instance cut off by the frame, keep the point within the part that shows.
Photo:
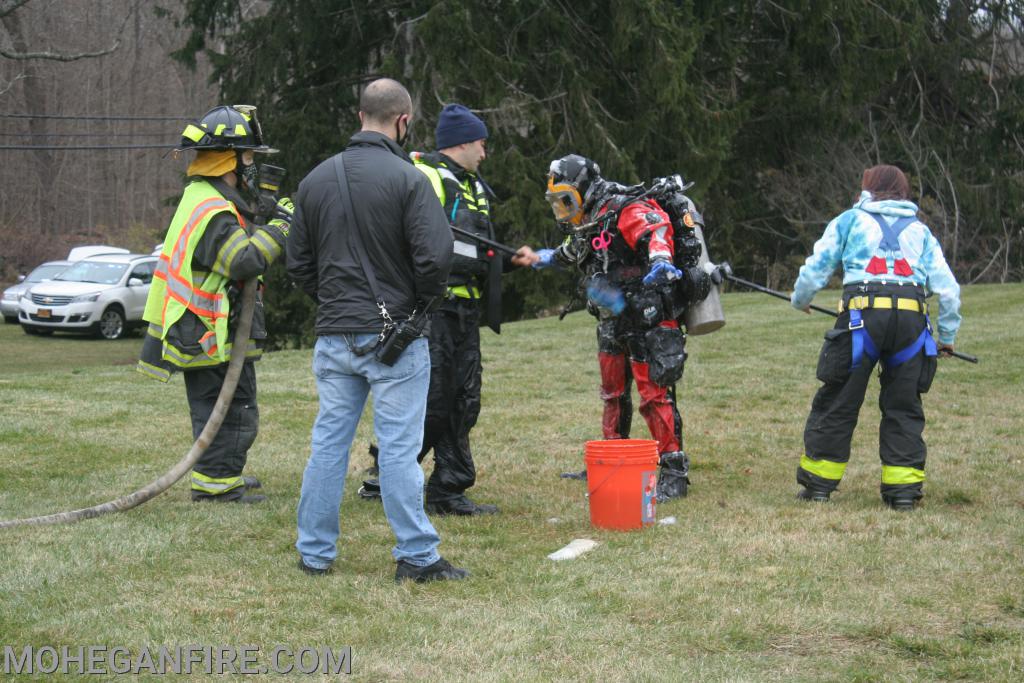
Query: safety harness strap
(862,344)
(891,233)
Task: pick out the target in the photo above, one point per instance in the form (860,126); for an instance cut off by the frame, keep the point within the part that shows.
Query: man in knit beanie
(455,369)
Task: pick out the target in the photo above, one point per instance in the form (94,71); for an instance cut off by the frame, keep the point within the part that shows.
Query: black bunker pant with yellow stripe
(218,473)
(836,405)
(453,402)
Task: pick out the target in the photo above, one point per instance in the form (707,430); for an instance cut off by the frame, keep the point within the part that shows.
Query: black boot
(459,505)
(813,495)
(672,479)
(370,490)
(373,470)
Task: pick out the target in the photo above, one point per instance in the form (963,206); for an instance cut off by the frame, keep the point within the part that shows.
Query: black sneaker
(813,495)
(312,571)
(252,482)
(460,506)
(902,504)
(442,570)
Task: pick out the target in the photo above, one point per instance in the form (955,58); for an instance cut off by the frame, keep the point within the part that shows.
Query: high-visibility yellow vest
(469,195)
(176,288)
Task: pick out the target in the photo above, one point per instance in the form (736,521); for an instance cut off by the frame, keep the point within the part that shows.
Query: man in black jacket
(399,231)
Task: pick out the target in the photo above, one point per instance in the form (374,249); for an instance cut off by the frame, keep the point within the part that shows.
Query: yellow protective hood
(213,164)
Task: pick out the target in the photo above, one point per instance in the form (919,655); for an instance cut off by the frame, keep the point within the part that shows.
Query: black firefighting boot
(815,489)
(813,495)
(672,479)
(902,498)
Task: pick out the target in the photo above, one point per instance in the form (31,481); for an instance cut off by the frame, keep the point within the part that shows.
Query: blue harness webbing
(891,233)
(863,344)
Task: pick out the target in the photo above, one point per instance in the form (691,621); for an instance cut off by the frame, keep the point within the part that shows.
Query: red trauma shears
(602,241)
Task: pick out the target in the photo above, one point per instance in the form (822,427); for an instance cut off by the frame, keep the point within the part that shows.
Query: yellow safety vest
(471,194)
(176,288)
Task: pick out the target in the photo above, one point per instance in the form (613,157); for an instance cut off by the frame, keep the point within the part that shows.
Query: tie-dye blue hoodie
(853,237)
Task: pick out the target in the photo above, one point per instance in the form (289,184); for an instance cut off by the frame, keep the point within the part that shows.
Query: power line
(83,135)
(86,147)
(78,117)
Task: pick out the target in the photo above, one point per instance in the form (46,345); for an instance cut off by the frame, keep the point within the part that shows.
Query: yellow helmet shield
(565,201)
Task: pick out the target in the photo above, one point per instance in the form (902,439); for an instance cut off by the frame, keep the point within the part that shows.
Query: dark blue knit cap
(457,125)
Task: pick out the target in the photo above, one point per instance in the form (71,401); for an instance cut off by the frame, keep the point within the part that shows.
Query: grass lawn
(748,585)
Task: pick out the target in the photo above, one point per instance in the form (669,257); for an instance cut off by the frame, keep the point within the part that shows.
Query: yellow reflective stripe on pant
(215,485)
(892,474)
(826,469)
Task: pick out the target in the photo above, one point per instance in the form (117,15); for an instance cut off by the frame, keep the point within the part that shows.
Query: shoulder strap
(891,233)
(357,240)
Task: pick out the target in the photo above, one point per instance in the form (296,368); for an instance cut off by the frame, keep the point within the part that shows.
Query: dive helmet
(226,128)
(570,180)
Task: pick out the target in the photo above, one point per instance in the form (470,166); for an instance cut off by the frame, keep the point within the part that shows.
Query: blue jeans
(343,381)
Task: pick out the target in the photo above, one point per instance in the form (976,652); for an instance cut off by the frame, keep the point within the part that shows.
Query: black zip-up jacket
(403,230)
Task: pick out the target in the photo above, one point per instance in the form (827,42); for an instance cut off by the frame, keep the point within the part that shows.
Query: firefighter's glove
(282,216)
(662,271)
(605,295)
(545,258)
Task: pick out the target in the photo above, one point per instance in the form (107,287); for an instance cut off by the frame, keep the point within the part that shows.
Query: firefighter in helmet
(213,244)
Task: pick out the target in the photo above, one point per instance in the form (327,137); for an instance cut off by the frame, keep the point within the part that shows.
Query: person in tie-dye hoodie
(891,262)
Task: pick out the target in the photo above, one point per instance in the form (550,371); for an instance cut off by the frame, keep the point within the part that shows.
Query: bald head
(383,101)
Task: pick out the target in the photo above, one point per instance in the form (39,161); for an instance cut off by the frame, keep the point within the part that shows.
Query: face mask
(400,139)
(249,175)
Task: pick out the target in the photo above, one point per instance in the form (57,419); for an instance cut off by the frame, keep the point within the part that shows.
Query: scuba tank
(705,316)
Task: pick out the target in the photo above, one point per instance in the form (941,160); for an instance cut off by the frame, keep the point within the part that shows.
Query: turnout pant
(835,408)
(623,355)
(219,471)
(453,403)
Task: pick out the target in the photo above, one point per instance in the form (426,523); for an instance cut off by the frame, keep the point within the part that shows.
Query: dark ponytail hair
(885,182)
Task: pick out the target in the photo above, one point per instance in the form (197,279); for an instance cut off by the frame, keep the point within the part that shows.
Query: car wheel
(36,331)
(112,323)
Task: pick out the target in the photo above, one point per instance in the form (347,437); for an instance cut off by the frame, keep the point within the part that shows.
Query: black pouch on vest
(646,307)
(928,366)
(665,355)
(836,356)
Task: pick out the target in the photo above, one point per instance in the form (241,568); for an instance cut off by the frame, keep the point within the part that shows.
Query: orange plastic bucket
(622,475)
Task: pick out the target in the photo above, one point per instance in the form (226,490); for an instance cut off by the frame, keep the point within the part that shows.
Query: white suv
(105,295)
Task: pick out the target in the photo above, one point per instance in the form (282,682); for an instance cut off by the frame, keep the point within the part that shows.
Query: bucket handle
(618,465)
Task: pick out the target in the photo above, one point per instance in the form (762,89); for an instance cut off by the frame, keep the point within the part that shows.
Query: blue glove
(547,258)
(661,272)
(605,295)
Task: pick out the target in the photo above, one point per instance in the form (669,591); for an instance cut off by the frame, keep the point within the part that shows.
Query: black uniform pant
(227,454)
(453,401)
(836,406)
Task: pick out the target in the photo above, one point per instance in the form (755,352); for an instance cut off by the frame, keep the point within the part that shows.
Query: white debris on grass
(667,520)
(577,547)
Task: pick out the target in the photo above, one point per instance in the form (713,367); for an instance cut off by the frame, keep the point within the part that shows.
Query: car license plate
(43,313)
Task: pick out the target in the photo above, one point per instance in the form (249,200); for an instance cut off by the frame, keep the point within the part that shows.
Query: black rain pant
(453,401)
